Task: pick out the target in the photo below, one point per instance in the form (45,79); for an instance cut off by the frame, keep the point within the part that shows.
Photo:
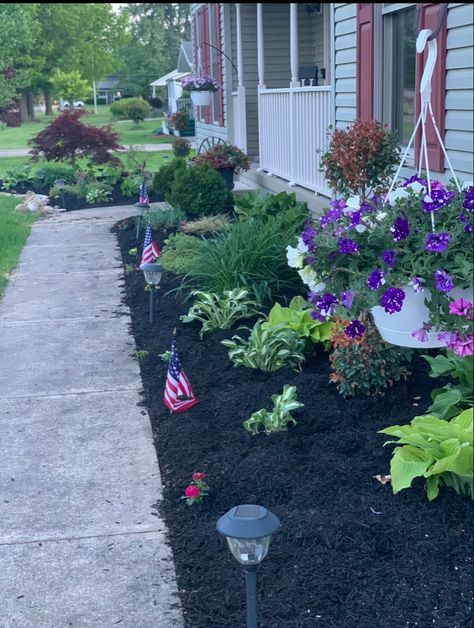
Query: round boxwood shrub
(199,191)
(135,109)
(165,176)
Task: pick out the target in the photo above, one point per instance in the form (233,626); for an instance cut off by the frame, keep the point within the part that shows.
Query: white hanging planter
(397,328)
(201,98)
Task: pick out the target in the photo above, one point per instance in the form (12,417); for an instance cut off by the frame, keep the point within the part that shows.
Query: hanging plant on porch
(201,87)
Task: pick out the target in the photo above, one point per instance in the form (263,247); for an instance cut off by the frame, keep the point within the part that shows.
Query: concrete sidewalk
(149,148)
(81,542)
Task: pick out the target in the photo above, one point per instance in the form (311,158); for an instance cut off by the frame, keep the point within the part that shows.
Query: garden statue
(34,203)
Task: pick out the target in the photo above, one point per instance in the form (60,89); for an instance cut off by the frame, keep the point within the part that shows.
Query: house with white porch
(290,71)
(172,80)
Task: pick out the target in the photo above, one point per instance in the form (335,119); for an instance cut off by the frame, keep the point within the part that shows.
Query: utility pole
(95,96)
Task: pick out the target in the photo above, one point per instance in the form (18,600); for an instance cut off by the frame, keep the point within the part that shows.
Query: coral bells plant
(224,156)
(202,83)
(377,251)
(197,490)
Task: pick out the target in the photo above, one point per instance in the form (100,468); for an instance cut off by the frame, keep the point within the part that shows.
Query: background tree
(71,86)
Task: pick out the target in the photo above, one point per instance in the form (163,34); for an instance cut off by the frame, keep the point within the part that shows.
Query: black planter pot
(228,176)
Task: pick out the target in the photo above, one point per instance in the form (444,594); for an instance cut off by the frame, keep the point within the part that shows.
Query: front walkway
(81,542)
(149,148)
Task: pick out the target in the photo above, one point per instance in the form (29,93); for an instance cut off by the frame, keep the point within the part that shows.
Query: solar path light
(249,530)
(142,207)
(152,274)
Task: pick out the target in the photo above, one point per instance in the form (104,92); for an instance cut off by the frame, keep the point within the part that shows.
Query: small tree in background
(135,109)
(181,147)
(67,138)
(70,86)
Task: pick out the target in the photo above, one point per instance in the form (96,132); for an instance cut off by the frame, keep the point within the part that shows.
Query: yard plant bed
(349,554)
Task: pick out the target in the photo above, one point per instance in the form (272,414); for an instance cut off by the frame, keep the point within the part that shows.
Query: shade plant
(280,417)
(456,395)
(224,156)
(377,252)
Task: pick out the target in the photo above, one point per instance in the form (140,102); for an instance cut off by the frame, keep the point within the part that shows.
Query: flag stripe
(177,385)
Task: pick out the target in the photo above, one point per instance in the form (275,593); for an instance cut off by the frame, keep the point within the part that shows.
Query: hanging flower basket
(201,98)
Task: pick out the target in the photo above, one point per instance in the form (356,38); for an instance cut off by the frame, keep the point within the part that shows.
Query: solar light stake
(249,529)
(152,304)
(152,274)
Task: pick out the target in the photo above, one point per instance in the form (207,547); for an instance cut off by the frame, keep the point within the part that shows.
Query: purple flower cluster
(469,199)
(355,329)
(376,279)
(443,281)
(334,214)
(389,257)
(392,300)
(347,297)
(200,83)
(466,222)
(415,179)
(308,236)
(326,305)
(347,246)
(437,242)
(439,197)
(400,229)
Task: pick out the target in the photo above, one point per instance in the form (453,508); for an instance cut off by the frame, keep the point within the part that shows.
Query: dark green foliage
(367,365)
(248,255)
(165,176)
(284,206)
(164,219)
(199,191)
(50,172)
(135,109)
(130,186)
(457,396)
(180,252)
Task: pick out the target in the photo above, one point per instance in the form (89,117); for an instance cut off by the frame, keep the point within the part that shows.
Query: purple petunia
(347,246)
(400,229)
(415,179)
(392,300)
(389,257)
(466,222)
(443,281)
(469,199)
(334,214)
(437,242)
(326,304)
(356,217)
(355,329)
(376,279)
(308,236)
(417,284)
(347,297)
(439,197)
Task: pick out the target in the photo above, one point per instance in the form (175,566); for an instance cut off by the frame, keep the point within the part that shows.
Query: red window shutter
(219,77)
(365,61)
(206,57)
(429,19)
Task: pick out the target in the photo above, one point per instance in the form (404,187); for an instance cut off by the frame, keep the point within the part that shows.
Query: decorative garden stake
(249,529)
(152,274)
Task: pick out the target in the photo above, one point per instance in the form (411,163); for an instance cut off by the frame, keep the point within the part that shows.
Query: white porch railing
(239,109)
(293,127)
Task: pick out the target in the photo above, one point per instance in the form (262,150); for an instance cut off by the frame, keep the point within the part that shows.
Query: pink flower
(463,346)
(461,307)
(198,475)
(420,334)
(192,491)
(448,337)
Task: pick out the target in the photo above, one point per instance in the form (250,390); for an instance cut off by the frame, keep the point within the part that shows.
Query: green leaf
(445,402)
(408,463)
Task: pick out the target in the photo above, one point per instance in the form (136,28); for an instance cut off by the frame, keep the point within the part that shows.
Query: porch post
(294,62)
(260,50)
(240,116)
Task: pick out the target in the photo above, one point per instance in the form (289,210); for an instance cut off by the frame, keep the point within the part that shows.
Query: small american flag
(179,395)
(150,250)
(144,198)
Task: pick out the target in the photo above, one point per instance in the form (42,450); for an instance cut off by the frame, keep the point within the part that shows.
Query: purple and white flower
(443,281)
(392,300)
(389,257)
(355,329)
(347,298)
(400,229)
(437,242)
(417,284)
(376,279)
(469,199)
(348,246)
(439,197)
(327,304)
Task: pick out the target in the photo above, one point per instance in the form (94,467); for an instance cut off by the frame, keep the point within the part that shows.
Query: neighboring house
(109,89)
(172,80)
(299,68)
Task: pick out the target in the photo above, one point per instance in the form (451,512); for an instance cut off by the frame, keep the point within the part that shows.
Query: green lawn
(14,230)
(128,132)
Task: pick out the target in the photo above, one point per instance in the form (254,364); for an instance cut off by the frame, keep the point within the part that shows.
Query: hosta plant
(298,318)
(267,349)
(441,451)
(98,194)
(451,398)
(280,417)
(220,311)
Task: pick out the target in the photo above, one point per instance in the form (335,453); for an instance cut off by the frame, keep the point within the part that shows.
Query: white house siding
(459,80)
(203,130)
(345,63)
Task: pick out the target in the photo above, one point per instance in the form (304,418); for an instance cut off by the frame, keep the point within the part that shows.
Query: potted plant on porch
(227,160)
(201,88)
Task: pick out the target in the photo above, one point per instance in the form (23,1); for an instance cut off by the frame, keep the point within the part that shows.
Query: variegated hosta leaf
(279,419)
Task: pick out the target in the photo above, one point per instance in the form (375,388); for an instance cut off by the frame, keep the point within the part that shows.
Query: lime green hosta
(441,451)
(298,318)
(278,420)
(217,311)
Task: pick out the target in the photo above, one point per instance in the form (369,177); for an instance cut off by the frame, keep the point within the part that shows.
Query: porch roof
(175,75)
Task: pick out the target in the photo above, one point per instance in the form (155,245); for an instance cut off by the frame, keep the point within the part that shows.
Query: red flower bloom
(192,491)
(198,475)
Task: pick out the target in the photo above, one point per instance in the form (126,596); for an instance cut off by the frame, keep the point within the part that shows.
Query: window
(399,69)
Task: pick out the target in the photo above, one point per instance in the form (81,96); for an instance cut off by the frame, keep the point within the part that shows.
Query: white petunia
(379,216)
(296,256)
(353,203)
(308,276)
(395,195)
(415,186)
(360,228)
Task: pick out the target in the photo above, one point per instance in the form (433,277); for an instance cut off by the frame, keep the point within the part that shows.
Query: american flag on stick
(179,394)
(144,198)
(150,250)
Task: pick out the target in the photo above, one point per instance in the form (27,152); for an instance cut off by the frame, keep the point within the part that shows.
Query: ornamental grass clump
(365,365)
(366,253)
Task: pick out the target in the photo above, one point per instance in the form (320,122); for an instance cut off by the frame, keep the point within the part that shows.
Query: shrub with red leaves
(361,158)
(67,138)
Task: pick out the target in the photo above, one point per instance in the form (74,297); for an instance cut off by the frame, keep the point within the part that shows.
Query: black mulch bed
(349,554)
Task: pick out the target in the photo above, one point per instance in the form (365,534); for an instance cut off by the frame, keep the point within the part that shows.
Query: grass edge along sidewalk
(14,231)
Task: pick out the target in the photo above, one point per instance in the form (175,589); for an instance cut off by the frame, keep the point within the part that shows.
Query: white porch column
(260,47)
(240,103)
(294,61)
